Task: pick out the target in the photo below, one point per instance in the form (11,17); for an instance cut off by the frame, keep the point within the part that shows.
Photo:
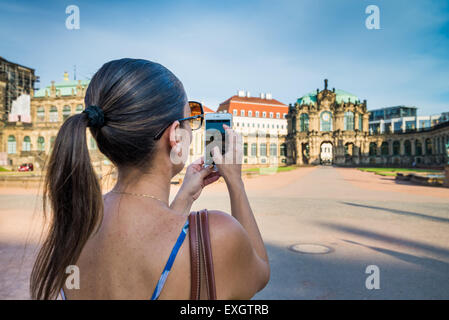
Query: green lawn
(268,170)
(3,169)
(393,171)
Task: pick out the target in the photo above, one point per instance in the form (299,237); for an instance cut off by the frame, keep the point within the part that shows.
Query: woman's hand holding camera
(229,165)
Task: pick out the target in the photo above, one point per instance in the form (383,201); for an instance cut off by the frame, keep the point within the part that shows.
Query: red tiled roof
(207,110)
(253,104)
(256,100)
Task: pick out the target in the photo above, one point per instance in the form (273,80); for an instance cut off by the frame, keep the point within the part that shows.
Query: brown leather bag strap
(207,255)
(201,262)
(194,256)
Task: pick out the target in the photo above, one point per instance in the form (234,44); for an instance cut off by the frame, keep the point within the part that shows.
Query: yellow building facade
(31,142)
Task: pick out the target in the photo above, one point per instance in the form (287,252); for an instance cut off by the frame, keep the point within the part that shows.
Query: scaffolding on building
(17,80)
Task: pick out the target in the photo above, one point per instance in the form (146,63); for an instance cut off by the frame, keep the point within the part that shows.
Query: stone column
(390,148)
(298,153)
(379,148)
(434,146)
(365,122)
(313,151)
(423,146)
(356,121)
(413,151)
(446,174)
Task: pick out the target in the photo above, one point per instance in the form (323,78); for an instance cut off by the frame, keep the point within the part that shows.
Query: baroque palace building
(324,126)
(32,141)
(332,126)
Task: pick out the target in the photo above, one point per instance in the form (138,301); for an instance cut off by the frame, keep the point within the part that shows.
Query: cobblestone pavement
(363,218)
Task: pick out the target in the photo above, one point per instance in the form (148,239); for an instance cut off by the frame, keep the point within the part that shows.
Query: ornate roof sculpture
(64,88)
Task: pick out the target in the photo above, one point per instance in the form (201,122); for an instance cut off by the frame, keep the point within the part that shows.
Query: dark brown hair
(137,97)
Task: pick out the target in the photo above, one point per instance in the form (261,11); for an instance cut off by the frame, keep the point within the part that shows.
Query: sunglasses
(195,119)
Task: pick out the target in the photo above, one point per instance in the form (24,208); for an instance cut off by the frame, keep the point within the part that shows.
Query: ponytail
(137,98)
(76,207)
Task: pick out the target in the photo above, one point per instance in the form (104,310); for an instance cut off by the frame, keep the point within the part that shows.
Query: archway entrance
(326,154)
(349,152)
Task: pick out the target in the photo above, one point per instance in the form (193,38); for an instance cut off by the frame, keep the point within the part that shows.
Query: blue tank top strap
(171,259)
(63,295)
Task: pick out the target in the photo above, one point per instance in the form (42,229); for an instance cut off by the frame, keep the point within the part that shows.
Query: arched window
(304,122)
(360,122)
(283,149)
(263,149)
(429,148)
(53,114)
(349,120)
(418,147)
(245,149)
(11,145)
(66,111)
(79,108)
(384,148)
(407,148)
(273,149)
(396,148)
(294,124)
(373,149)
(253,149)
(26,146)
(41,144)
(326,121)
(40,114)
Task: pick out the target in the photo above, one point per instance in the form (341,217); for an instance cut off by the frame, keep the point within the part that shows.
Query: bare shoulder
(224,226)
(239,272)
(228,235)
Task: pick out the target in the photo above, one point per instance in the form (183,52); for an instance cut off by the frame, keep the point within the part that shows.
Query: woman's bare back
(125,258)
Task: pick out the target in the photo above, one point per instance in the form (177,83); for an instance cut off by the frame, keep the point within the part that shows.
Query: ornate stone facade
(327,125)
(426,147)
(333,126)
(50,107)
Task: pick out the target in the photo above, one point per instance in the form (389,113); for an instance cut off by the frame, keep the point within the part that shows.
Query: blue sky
(217,47)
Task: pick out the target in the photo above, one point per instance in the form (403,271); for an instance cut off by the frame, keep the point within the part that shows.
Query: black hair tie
(95,116)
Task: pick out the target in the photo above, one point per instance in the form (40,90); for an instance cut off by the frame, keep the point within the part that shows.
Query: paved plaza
(364,220)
